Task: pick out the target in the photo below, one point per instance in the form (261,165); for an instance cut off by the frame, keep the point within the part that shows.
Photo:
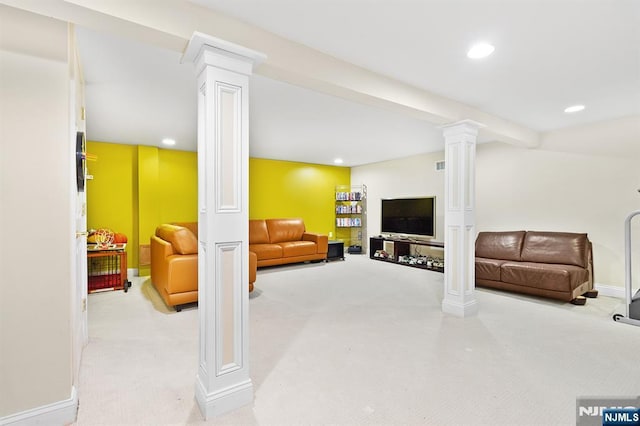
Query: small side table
(107,268)
(336,250)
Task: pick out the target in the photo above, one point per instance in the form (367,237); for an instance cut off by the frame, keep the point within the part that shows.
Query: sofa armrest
(160,247)
(253,266)
(590,265)
(321,240)
(160,251)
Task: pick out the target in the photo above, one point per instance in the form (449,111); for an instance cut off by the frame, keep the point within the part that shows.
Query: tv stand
(422,254)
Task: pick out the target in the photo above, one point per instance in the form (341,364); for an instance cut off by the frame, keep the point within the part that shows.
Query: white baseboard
(58,413)
(132,272)
(461,310)
(610,290)
(223,401)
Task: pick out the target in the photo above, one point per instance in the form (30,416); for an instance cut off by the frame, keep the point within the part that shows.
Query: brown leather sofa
(557,265)
(174,263)
(281,241)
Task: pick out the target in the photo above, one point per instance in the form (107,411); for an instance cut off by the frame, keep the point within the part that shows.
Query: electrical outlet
(84,305)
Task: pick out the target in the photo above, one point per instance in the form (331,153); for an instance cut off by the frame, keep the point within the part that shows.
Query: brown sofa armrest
(321,240)
(590,265)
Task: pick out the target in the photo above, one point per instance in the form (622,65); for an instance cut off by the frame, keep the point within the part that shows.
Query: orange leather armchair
(174,263)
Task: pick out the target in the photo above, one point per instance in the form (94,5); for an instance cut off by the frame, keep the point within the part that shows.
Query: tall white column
(223,70)
(459,218)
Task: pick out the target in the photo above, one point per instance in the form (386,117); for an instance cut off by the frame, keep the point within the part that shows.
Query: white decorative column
(223,70)
(459,218)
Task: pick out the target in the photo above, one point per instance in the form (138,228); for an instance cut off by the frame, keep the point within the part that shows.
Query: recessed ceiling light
(574,108)
(168,141)
(338,161)
(480,50)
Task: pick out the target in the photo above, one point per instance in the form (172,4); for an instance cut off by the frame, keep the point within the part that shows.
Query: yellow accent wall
(136,188)
(148,208)
(111,192)
(179,182)
(280,189)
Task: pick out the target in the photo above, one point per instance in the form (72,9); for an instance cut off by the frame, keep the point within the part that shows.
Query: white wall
(35,210)
(407,177)
(558,191)
(528,189)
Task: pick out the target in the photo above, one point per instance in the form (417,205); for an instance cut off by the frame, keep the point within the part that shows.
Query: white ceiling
(549,54)
(136,93)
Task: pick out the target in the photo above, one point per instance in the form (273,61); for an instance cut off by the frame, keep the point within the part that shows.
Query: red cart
(107,268)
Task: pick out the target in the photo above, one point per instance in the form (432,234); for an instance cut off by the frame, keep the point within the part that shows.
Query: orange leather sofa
(174,263)
(280,241)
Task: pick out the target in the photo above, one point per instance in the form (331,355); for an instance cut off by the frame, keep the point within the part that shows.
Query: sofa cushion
(281,230)
(181,238)
(266,251)
(500,245)
(298,248)
(554,277)
(488,269)
(182,276)
(192,226)
(555,247)
(258,233)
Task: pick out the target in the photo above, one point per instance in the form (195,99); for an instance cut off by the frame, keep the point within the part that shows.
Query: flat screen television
(409,216)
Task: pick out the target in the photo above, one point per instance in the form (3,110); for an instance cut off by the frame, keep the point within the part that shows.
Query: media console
(417,253)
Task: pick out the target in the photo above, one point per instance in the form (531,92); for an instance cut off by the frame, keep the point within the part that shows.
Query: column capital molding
(204,50)
(469,127)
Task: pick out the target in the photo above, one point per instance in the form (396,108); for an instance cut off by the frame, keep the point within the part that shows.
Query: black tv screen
(409,216)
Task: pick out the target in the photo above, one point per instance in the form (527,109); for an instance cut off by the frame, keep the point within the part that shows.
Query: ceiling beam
(171,23)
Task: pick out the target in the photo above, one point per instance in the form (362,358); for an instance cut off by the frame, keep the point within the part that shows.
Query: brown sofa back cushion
(500,245)
(181,238)
(281,230)
(258,233)
(564,248)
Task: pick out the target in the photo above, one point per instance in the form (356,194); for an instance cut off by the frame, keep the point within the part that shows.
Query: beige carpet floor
(361,342)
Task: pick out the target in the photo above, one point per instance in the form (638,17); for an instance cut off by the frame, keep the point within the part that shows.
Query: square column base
(223,401)
(458,309)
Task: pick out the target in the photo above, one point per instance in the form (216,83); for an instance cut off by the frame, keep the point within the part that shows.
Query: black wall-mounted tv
(409,216)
